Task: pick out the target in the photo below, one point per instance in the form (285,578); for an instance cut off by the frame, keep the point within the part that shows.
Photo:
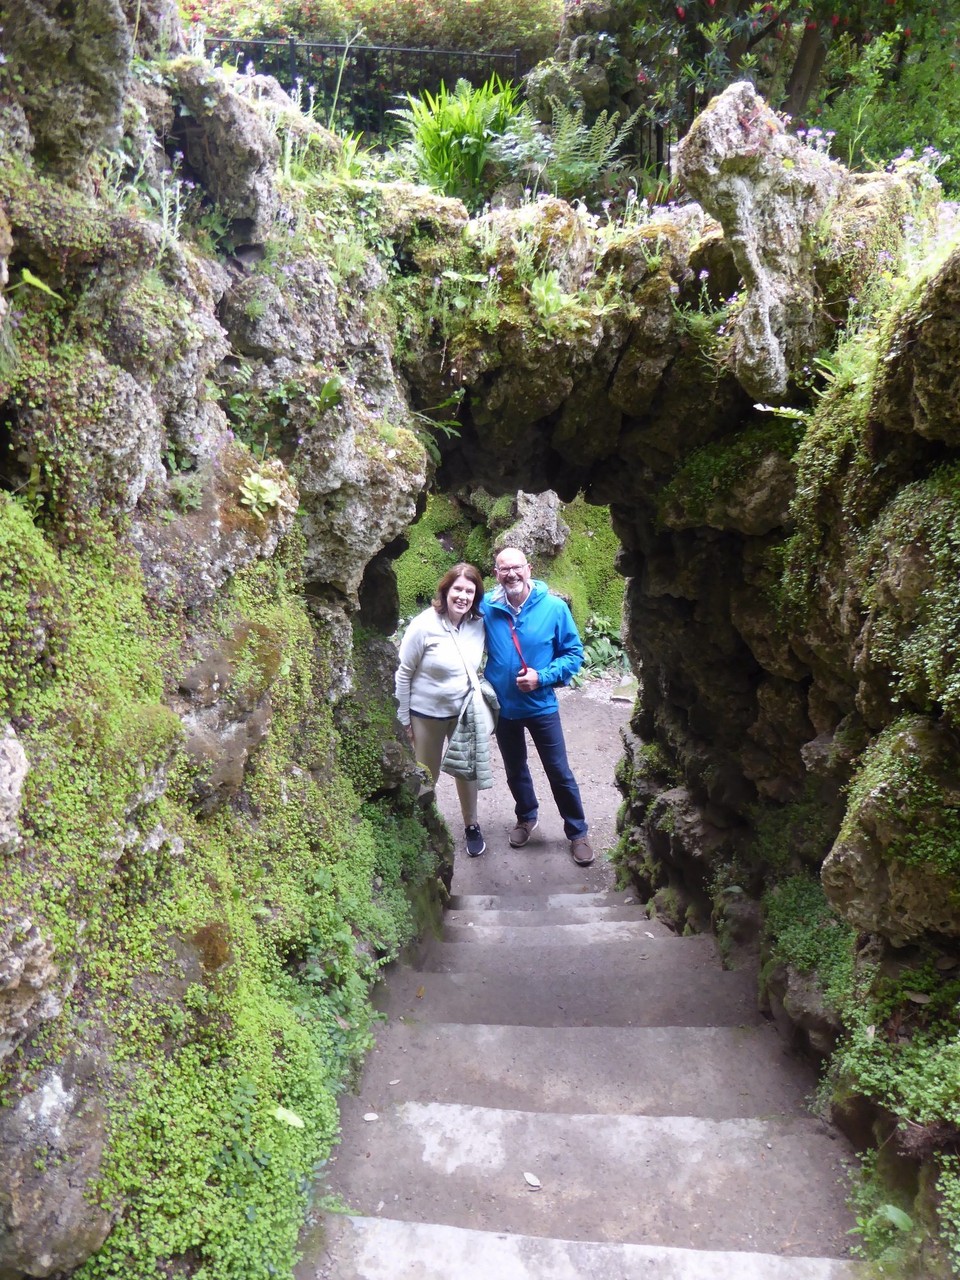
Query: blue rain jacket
(549,642)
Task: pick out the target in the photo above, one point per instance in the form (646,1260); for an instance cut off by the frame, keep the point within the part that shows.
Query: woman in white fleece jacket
(432,680)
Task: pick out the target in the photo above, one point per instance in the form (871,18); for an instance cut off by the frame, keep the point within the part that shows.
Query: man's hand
(528,680)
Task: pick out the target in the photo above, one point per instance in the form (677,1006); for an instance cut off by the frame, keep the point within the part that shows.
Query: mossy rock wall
(215,431)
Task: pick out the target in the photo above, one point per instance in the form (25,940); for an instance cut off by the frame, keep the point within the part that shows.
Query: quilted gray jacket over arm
(468,751)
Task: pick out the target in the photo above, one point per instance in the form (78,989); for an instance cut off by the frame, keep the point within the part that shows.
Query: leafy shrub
(532,27)
(896,94)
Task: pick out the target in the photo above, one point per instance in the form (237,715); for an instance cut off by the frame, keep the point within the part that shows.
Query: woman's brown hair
(439,601)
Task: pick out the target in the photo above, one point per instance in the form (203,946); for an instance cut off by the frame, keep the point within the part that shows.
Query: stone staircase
(564,1090)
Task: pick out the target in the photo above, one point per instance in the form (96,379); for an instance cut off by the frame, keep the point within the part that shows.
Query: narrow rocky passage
(564,1089)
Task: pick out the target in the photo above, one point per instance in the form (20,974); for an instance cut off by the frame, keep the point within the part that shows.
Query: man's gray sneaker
(582,851)
(520,834)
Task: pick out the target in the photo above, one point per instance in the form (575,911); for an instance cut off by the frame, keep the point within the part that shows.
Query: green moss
(803,931)
(918,636)
(61,224)
(226,959)
(653,760)
(787,836)
(33,608)
(97,733)
(438,540)
(948,1193)
(908,793)
(366,719)
(832,462)
(585,570)
(706,476)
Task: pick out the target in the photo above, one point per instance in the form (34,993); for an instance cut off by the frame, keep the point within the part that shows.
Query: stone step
(607,952)
(387,1249)
(659,996)
(529,916)
(598,929)
(542,901)
(769,1185)
(544,868)
(603,1070)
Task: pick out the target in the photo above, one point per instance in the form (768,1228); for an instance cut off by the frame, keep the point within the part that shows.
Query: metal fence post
(292,61)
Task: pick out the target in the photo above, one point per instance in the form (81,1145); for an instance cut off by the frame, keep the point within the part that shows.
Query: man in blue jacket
(532,646)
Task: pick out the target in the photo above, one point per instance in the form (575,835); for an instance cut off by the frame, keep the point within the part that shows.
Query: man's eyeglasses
(504,569)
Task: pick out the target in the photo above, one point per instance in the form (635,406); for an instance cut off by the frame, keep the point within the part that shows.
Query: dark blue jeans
(546,733)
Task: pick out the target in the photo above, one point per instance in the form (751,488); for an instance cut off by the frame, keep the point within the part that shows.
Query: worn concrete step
(598,929)
(608,952)
(543,867)
(603,1070)
(657,996)
(770,1185)
(542,901)
(529,917)
(387,1249)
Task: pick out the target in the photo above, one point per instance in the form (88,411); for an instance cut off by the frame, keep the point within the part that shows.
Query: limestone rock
(116,430)
(306,135)
(169,338)
(13,770)
(755,503)
(550,229)
(71,66)
(259,319)
(798,1007)
(156,26)
(766,189)
(15,136)
(52,1141)
(767,638)
(683,842)
(781,721)
(538,530)
(225,706)
(31,989)
(230,148)
(888,872)
(188,557)
(6,244)
(359,476)
(918,377)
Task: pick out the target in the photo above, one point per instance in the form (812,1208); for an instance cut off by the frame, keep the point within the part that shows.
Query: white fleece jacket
(431,677)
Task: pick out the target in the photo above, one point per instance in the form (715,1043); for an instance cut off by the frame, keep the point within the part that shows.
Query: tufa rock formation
(216,386)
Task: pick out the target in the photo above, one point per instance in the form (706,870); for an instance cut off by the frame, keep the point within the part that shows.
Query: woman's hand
(408,730)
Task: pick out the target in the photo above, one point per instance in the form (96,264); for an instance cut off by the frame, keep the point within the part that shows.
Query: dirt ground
(592,716)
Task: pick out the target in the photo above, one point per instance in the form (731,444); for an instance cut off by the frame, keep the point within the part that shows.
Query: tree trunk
(806,71)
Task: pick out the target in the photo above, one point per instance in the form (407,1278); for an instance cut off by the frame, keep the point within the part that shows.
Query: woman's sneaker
(475,842)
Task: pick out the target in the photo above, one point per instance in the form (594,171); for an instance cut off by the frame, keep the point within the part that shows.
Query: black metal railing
(353,87)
